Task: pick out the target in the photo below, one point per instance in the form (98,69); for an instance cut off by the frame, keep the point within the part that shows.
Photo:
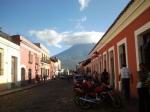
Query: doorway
(112,69)
(145,50)
(13,71)
(29,75)
(22,76)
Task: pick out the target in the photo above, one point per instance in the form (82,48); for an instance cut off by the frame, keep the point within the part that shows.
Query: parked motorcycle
(86,97)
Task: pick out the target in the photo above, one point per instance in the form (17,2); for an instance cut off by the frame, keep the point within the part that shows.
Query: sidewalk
(9,91)
(131,105)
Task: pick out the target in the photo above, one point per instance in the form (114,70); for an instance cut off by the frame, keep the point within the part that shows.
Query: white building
(9,63)
(57,66)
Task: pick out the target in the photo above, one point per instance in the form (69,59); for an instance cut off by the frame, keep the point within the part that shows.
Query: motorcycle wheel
(117,102)
(76,99)
(85,104)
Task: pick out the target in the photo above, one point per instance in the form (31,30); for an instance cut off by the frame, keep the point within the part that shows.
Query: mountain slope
(72,56)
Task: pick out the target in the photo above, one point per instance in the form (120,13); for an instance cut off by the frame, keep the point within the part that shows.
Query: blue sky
(59,24)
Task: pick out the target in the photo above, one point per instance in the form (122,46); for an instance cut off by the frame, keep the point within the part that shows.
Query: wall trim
(137,35)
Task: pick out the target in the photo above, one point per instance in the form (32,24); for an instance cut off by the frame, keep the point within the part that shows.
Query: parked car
(70,76)
(77,78)
(62,76)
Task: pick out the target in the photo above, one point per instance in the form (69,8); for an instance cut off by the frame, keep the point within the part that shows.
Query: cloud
(82,38)
(83,4)
(53,38)
(82,19)
(79,22)
(79,26)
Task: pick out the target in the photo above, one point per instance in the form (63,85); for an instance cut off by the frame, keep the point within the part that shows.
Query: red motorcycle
(87,96)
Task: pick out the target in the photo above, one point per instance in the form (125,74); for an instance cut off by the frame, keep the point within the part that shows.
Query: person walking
(142,87)
(125,77)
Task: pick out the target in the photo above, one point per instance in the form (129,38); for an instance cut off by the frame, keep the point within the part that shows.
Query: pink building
(52,67)
(30,59)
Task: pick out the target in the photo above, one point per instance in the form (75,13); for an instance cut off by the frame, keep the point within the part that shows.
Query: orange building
(127,41)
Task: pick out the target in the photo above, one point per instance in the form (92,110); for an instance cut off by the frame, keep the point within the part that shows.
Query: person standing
(88,72)
(44,77)
(104,77)
(143,89)
(125,77)
(95,77)
(68,78)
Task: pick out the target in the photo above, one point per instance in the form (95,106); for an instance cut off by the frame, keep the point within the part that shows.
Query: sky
(59,24)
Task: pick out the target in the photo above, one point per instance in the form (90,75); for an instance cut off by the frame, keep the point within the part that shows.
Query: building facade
(52,70)
(45,61)
(9,63)
(57,66)
(127,41)
(30,59)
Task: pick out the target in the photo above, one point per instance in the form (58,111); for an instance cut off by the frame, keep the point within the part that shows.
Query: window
(1,61)
(122,55)
(30,58)
(36,59)
(42,57)
(105,62)
(145,50)
(100,65)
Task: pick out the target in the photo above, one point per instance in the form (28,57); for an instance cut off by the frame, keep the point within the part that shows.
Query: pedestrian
(29,78)
(88,72)
(95,77)
(44,77)
(142,87)
(125,77)
(37,77)
(68,78)
(104,77)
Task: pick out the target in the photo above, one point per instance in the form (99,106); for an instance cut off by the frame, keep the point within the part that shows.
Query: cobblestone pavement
(55,96)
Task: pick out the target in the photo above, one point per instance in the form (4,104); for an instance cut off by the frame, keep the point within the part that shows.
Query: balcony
(45,60)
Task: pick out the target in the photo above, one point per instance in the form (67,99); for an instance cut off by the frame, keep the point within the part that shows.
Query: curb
(10,91)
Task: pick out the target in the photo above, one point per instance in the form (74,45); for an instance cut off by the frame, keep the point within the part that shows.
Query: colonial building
(30,59)
(57,66)
(127,41)
(9,63)
(87,64)
(52,70)
(45,60)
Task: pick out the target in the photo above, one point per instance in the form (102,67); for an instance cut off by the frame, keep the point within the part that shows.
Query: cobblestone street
(55,96)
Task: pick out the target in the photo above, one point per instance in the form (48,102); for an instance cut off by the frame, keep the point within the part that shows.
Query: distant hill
(72,56)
